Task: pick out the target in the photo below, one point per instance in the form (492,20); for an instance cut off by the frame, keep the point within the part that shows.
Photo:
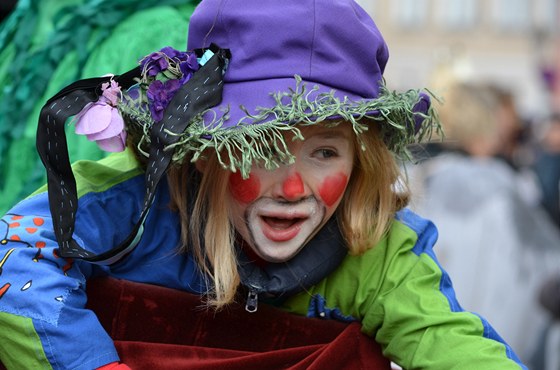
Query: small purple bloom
(134,92)
(172,53)
(178,67)
(188,66)
(192,61)
(159,95)
(154,63)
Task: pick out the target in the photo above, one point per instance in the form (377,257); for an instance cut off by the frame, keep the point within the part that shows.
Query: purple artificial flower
(101,121)
(154,63)
(188,66)
(160,61)
(172,53)
(114,143)
(164,72)
(159,95)
(111,91)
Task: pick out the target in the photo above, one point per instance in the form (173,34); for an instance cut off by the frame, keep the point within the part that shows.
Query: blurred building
(510,42)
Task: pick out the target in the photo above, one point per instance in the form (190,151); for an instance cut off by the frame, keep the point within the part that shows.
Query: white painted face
(277,212)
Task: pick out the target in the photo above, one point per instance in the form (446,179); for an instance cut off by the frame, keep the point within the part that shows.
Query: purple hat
(255,69)
(299,62)
(332,44)
(291,63)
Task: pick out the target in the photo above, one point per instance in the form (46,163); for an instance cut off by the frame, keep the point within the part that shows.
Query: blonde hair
(469,118)
(365,213)
(375,192)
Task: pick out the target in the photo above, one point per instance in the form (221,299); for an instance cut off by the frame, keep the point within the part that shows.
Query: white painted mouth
(280,229)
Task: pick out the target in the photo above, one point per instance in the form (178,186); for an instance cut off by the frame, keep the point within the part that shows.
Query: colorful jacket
(397,289)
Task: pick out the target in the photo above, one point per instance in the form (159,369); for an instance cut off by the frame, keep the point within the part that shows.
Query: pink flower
(101,121)
(112,93)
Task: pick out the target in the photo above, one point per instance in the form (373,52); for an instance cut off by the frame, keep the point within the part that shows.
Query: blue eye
(326,153)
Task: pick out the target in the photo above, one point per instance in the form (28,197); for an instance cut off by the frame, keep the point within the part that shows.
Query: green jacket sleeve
(405,300)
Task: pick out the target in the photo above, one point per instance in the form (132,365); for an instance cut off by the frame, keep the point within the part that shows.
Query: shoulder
(409,236)
(361,279)
(94,180)
(452,172)
(421,233)
(99,176)
(110,195)
(408,243)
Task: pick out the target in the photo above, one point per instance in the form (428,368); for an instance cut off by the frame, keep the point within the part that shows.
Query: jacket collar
(278,281)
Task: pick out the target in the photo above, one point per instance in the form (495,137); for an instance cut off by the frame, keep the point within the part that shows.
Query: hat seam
(217,19)
(221,20)
(314,33)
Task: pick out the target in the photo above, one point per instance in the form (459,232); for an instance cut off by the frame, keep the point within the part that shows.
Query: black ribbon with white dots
(202,91)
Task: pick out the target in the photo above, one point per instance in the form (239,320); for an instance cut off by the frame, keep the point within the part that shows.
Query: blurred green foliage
(47,44)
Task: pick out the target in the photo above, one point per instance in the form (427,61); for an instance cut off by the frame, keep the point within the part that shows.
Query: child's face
(278,211)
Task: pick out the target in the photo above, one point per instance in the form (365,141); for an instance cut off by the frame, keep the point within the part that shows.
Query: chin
(279,231)
(276,254)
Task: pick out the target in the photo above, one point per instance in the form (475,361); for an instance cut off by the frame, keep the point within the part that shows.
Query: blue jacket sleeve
(42,296)
(43,322)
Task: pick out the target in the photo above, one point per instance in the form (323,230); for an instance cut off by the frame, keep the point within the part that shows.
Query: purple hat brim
(253,97)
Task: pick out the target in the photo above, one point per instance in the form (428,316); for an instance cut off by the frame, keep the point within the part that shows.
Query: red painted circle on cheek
(293,186)
(244,190)
(332,188)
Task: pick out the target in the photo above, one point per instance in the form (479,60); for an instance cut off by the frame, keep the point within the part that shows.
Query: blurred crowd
(491,184)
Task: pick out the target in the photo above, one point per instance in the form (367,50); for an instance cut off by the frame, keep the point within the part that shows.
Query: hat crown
(331,42)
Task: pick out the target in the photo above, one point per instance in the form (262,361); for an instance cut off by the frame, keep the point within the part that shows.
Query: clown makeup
(277,212)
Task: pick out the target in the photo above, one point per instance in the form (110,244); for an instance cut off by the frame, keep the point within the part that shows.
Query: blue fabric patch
(28,262)
(318,309)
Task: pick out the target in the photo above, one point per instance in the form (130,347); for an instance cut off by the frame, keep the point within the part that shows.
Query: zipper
(252,301)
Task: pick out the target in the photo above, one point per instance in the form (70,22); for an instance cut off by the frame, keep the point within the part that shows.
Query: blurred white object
(497,248)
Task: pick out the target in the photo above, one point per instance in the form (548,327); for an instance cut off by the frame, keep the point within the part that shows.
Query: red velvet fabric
(160,328)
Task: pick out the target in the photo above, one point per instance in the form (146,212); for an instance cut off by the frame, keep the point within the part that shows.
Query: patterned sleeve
(43,322)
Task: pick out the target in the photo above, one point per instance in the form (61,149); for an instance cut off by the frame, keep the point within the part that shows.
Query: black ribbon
(202,91)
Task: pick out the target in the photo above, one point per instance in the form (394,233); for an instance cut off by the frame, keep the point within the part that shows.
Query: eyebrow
(331,133)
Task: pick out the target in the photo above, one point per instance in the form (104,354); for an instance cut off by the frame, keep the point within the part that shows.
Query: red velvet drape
(161,328)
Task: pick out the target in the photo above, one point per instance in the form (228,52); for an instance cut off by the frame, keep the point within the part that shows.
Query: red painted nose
(293,186)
